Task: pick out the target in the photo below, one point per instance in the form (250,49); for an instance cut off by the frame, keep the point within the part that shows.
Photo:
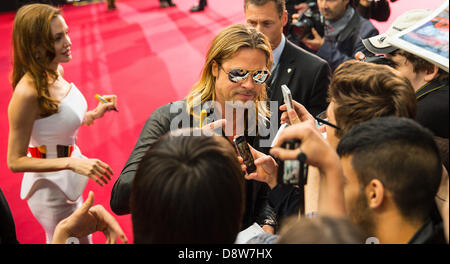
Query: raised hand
(87,220)
(299,115)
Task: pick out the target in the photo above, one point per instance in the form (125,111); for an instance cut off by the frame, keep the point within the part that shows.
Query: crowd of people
(374,137)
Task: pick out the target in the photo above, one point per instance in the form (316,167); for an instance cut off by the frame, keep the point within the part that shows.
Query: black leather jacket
(158,124)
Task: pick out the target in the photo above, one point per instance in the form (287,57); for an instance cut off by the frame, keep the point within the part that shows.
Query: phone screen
(244,151)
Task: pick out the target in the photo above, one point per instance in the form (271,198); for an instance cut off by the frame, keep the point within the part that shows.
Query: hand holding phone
(292,115)
(287,96)
(244,151)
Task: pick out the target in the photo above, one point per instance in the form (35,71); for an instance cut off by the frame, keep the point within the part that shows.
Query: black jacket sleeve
(285,200)
(157,125)
(7,227)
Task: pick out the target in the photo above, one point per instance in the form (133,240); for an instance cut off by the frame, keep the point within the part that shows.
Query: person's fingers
(112,238)
(293,117)
(123,238)
(254,152)
(308,43)
(112,99)
(111,106)
(101,172)
(285,154)
(216,124)
(88,203)
(94,177)
(296,131)
(251,176)
(108,225)
(106,166)
(98,181)
(100,176)
(360,56)
(262,160)
(284,117)
(315,33)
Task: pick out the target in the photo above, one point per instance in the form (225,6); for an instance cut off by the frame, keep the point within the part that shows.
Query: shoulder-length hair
(33,51)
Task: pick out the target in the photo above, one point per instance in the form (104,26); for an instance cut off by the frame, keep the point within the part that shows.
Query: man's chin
(243,98)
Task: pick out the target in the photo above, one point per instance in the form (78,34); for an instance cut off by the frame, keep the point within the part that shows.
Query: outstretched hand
(294,117)
(87,220)
(318,151)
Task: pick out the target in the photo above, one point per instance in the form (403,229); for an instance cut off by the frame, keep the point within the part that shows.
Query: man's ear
(215,69)
(431,74)
(375,194)
(284,18)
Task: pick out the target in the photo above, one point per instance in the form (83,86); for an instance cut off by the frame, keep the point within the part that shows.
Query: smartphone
(292,172)
(287,96)
(244,151)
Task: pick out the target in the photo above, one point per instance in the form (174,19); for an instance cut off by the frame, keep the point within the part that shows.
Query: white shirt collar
(276,53)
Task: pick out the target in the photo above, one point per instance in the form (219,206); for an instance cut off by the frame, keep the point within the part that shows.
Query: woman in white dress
(44,114)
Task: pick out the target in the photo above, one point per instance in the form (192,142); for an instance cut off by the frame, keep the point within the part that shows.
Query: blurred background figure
(166,3)
(111,4)
(373,9)
(200,7)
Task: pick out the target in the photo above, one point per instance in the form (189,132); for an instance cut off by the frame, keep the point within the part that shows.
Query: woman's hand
(95,169)
(101,109)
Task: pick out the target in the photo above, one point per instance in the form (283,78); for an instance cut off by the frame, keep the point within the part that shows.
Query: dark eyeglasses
(322,119)
(240,75)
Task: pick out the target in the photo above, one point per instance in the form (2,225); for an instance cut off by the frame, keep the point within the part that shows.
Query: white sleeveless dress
(59,129)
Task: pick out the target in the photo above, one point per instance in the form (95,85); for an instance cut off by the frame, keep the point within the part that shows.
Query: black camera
(311,18)
(292,172)
(379,59)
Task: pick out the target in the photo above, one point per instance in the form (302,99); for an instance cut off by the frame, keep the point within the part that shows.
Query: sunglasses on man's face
(240,75)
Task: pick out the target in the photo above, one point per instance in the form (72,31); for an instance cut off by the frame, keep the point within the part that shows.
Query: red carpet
(145,55)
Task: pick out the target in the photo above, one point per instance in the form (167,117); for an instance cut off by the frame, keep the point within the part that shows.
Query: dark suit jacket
(306,75)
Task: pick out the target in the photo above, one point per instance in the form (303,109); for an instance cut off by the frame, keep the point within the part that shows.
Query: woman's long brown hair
(33,51)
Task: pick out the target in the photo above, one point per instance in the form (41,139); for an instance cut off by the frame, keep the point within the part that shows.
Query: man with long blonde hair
(236,68)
